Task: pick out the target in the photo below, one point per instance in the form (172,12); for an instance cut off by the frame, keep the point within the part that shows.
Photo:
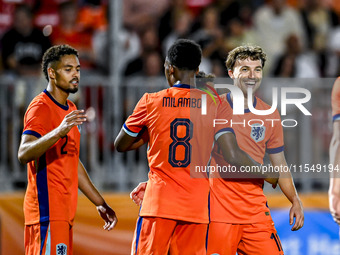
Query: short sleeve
(137,120)
(223,120)
(35,120)
(275,143)
(336,100)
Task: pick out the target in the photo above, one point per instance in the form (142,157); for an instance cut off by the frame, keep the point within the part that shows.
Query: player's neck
(186,78)
(59,95)
(245,100)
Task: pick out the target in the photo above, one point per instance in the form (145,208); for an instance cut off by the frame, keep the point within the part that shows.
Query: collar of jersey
(231,102)
(64,107)
(183,86)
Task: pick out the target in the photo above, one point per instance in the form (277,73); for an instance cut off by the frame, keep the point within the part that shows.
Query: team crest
(257,132)
(61,249)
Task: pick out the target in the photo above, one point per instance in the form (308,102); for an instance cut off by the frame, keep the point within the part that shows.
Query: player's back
(179,137)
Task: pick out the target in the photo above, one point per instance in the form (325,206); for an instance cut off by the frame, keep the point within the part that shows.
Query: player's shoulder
(225,100)
(38,107)
(262,105)
(336,85)
(158,95)
(39,101)
(71,104)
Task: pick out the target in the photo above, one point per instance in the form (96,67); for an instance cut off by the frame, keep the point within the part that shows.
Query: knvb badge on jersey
(61,249)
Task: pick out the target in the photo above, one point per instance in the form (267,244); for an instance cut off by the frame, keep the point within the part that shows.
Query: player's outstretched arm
(89,190)
(137,194)
(125,142)
(237,157)
(288,188)
(32,147)
(334,182)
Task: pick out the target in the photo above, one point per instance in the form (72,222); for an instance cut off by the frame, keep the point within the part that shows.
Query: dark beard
(72,91)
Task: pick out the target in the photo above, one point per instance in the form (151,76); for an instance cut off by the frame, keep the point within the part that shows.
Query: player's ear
(171,69)
(51,73)
(197,71)
(231,74)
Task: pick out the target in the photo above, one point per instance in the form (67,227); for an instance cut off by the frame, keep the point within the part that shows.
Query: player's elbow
(120,147)
(232,159)
(23,159)
(25,155)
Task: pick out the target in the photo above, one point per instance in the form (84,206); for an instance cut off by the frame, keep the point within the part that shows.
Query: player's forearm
(125,142)
(334,157)
(236,157)
(334,154)
(334,187)
(87,187)
(242,160)
(288,188)
(138,143)
(33,149)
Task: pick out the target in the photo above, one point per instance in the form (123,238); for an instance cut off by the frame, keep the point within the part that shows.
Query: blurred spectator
(273,22)
(238,35)
(6,12)
(182,23)
(93,18)
(318,20)
(166,21)
(336,6)
(210,37)
(149,43)
(294,62)
(46,13)
(153,65)
(70,31)
(140,14)
(129,45)
(218,69)
(196,6)
(333,69)
(23,46)
(92,15)
(229,10)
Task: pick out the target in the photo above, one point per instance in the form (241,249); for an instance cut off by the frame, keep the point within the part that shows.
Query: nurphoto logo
(238,103)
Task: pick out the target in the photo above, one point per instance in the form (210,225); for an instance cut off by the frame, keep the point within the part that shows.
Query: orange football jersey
(53,178)
(336,100)
(180,138)
(242,201)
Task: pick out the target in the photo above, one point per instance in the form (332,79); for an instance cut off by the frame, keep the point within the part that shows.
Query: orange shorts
(251,239)
(49,238)
(158,236)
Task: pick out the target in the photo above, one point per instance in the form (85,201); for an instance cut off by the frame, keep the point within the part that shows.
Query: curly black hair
(185,54)
(54,54)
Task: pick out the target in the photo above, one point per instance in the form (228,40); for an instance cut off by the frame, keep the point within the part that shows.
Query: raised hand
(72,119)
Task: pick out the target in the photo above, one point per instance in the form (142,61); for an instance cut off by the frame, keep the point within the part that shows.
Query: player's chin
(73,90)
